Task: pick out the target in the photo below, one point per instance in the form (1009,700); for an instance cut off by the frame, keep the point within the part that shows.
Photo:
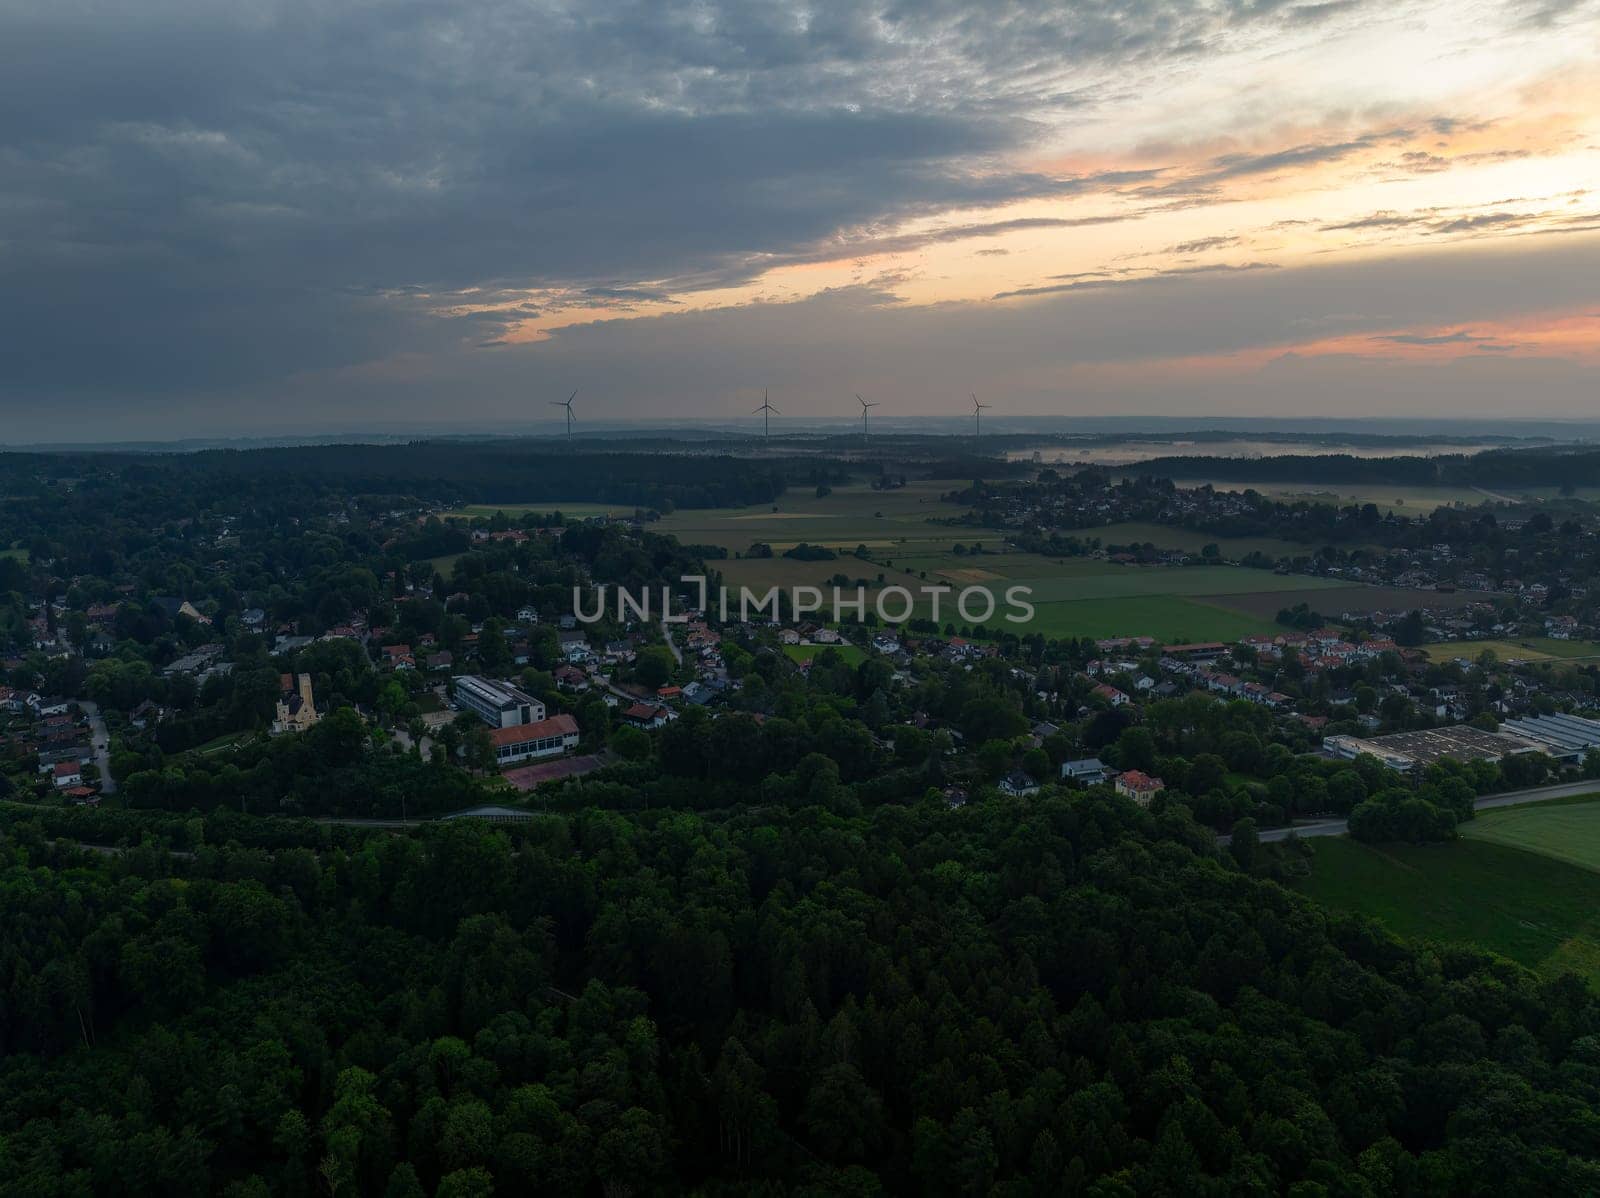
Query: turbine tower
(977,416)
(865,407)
(766,410)
(567,404)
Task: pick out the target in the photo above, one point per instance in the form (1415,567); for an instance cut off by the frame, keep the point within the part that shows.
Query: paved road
(1495,495)
(100,741)
(1511,798)
(666,631)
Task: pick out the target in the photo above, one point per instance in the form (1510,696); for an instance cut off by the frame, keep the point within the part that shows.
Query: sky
(304,216)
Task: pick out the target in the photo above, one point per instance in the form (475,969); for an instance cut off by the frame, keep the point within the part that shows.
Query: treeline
(482,472)
(1501,468)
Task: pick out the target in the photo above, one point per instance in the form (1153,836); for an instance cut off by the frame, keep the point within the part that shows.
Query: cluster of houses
(55,733)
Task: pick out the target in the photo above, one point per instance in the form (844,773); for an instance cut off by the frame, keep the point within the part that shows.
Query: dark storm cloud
(204,197)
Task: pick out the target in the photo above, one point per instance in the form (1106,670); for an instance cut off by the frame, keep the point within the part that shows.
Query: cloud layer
(245,215)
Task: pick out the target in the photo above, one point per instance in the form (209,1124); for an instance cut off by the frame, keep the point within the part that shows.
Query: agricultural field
(1407,501)
(1523,882)
(1335,598)
(514,510)
(1072,596)
(1565,830)
(1191,541)
(1542,913)
(883,521)
(1533,648)
(1173,619)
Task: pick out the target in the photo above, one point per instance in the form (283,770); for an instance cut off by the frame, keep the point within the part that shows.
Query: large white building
(544,738)
(498,704)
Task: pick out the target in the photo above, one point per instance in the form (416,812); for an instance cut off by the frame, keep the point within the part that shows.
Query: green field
(444,564)
(1072,596)
(851,654)
(19,553)
(1566,830)
(228,740)
(1539,912)
(514,510)
(1408,501)
(1533,648)
(851,515)
(1191,541)
(1170,618)
(1523,882)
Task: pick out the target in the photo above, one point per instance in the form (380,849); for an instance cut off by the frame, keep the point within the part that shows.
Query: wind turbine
(865,406)
(567,404)
(977,416)
(766,409)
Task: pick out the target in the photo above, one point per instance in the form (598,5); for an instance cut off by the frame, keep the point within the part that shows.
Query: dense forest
(1076,997)
(472,472)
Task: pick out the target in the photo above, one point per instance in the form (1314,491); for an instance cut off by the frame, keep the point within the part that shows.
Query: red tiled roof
(556,725)
(1138,780)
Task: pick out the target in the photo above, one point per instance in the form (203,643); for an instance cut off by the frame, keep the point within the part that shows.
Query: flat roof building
(1408,750)
(1564,737)
(496,703)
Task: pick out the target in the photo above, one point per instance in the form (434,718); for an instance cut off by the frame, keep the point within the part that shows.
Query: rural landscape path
(1512,798)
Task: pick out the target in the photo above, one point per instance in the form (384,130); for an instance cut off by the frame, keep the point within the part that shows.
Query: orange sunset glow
(1089,204)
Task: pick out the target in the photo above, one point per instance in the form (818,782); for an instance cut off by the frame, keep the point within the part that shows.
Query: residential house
(646,715)
(571,678)
(1111,695)
(1018,784)
(575,645)
(399,657)
(172,607)
(1139,786)
(1086,771)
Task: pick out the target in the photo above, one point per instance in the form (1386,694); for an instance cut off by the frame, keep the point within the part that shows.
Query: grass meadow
(1523,882)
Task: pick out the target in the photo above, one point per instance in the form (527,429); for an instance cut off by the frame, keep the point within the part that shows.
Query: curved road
(1511,798)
